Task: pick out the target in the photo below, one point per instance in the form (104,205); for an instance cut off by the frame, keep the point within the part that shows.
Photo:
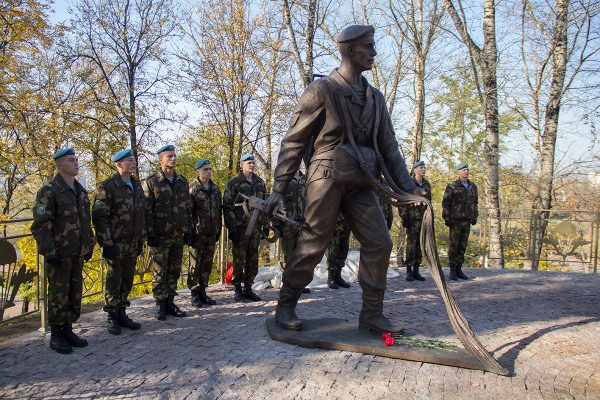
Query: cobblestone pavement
(544,327)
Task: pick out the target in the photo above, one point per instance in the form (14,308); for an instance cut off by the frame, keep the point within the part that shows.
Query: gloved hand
(420,192)
(473,221)
(89,255)
(275,200)
(406,224)
(233,236)
(449,223)
(187,239)
(153,241)
(109,252)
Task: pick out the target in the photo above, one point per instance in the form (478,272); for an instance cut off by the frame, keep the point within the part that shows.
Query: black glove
(406,223)
(473,221)
(140,248)
(449,223)
(109,252)
(187,239)
(89,255)
(153,241)
(53,259)
(233,236)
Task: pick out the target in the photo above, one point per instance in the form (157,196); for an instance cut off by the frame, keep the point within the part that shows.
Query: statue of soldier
(119,221)
(412,217)
(459,210)
(320,119)
(206,216)
(63,232)
(337,252)
(244,249)
(169,227)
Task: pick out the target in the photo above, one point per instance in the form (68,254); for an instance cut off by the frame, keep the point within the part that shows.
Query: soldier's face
(362,52)
(420,171)
(168,159)
(127,165)
(463,173)
(205,172)
(68,165)
(248,166)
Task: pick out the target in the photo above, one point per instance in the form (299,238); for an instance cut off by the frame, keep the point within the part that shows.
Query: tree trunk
(417,133)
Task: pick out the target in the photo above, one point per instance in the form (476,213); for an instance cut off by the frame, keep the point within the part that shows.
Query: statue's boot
(460,274)
(285,312)
(339,280)
(409,273)
(371,316)
(417,275)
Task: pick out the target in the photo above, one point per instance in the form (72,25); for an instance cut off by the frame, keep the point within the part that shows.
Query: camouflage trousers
(166,268)
(337,252)
(457,243)
(289,241)
(201,263)
(119,277)
(413,245)
(64,290)
(245,259)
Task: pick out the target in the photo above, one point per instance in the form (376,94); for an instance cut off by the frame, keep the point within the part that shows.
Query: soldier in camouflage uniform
(245,250)
(118,216)
(62,229)
(412,217)
(459,210)
(206,216)
(169,227)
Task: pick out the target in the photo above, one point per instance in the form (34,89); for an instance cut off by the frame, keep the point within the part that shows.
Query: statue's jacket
(317,121)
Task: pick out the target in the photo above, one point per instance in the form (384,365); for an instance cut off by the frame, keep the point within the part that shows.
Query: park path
(544,327)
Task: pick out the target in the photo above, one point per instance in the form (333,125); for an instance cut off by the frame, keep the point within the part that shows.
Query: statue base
(338,334)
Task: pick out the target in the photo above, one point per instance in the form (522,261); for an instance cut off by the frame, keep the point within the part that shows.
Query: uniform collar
(119,181)
(347,88)
(242,176)
(163,177)
(63,185)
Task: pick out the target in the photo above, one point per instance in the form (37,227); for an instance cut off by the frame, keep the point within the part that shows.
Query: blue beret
(201,163)
(462,165)
(418,164)
(121,155)
(69,151)
(353,32)
(247,157)
(168,147)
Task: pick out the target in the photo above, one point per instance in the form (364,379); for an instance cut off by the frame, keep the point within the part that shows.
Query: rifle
(253,206)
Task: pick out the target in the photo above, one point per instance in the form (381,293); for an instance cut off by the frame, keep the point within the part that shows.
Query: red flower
(387,338)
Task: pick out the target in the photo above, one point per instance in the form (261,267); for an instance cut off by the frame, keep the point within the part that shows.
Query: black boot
(196,302)
(205,299)
(238,295)
(112,324)
(72,338)
(161,310)
(460,274)
(453,274)
(127,322)
(173,310)
(285,312)
(371,315)
(409,274)
(331,279)
(249,294)
(417,275)
(339,280)
(58,343)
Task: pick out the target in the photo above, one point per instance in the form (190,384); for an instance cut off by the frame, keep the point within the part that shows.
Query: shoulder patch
(97,204)
(40,209)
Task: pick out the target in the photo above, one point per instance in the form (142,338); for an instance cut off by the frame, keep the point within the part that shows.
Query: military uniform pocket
(321,169)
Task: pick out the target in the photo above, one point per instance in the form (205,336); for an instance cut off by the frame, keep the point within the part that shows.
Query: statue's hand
(421,193)
(274,201)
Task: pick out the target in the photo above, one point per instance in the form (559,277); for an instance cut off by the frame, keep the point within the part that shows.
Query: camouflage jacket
(206,209)
(235,219)
(415,213)
(61,220)
(460,204)
(118,212)
(168,206)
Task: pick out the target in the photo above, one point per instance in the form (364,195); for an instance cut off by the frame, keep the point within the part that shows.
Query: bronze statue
(339,115)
